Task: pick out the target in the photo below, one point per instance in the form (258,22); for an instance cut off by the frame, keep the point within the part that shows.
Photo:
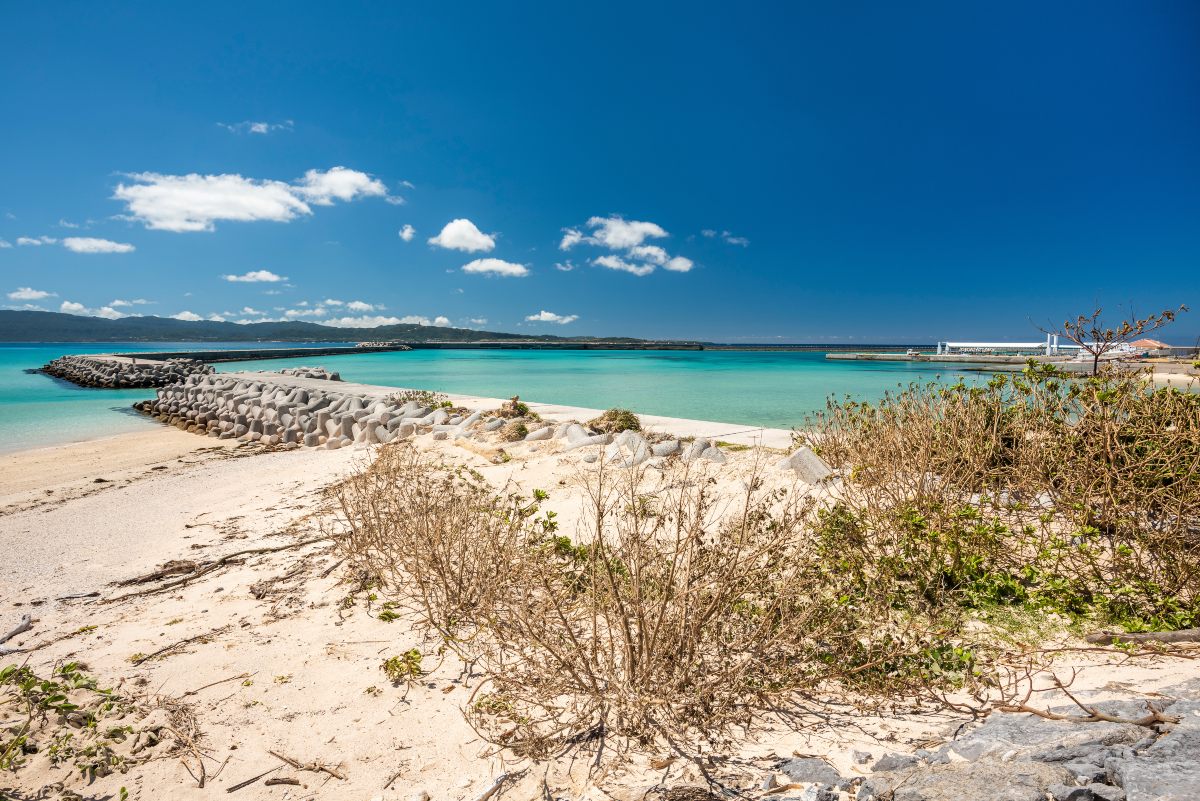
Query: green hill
(39,326)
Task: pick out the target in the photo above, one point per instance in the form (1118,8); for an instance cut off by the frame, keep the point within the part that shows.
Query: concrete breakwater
(295,412)
(119,372)
(311,372)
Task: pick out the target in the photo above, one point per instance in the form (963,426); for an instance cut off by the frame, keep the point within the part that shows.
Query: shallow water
(752,387)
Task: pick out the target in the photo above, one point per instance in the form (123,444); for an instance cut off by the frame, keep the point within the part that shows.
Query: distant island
(41,326)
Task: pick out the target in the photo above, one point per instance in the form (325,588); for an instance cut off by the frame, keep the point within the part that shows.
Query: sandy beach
(277,651)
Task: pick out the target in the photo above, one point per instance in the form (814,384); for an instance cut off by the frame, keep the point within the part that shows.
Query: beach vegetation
(423,397)
(403,668)
(970,521)
(614,421)
(514,431)
(68,713)
(514,407)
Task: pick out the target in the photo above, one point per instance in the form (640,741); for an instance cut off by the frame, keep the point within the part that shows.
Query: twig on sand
(1094,715)
(282,780)
(252,779)
(197,569)
(314,767)
(78,595)
(496,785)
(180,644)
(331,568)
(215,683)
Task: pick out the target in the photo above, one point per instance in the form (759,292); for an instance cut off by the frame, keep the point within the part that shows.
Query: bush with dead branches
(1077,494)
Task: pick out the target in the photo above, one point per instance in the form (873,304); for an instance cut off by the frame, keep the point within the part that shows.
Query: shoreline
(280,650)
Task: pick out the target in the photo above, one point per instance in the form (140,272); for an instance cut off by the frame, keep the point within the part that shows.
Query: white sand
(312,660)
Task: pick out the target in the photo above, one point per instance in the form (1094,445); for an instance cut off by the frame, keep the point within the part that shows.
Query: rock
(439,435)
(894,762)
(714,454)
(695,449)
(539,434)
(493,424)
(1086,772)
(807,466)
(860,757)
(1061,792)
(665,448)
(810,770)
(1106,792)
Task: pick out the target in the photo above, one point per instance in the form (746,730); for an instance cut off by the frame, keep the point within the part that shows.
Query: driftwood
(25,625)
(197,569)
(1183,635)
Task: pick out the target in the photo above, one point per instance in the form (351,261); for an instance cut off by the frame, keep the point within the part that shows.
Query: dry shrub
(670,616)
(614,421)
(514,431)
(1080,495)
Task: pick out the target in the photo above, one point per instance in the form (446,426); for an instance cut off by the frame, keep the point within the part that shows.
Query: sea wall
(282,413)
(123,373)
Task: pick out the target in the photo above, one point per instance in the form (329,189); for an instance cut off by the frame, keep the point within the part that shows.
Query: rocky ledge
(89,371)
(1021,757)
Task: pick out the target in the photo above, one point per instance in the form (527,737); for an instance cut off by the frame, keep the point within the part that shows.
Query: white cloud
(62,223)
(441,321)
(4,243)
(372,321)
(134,302)
(550,317)
(617,263)
(627,241)
(251,312)
(617,233)
(107,312)
(256,276)
(216,318)
(708,233)
(478,321)
(360,306)
(735,240)
(251,126)
(649,253)
(565,266)
(339,183)
(196,202)
(496,267)
(187,316)
(90,244)
(29,293)
(571,238)
(26,241)
(462,234)
(294,313)
(407,233)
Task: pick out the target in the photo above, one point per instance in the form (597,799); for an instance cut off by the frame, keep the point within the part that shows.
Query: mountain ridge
(45,326)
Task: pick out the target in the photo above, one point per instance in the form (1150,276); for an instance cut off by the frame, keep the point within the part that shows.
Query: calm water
(756,388)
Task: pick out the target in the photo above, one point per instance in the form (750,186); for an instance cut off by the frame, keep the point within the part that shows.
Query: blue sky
(749,172)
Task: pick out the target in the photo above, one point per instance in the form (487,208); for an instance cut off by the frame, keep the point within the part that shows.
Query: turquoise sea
(753,387)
